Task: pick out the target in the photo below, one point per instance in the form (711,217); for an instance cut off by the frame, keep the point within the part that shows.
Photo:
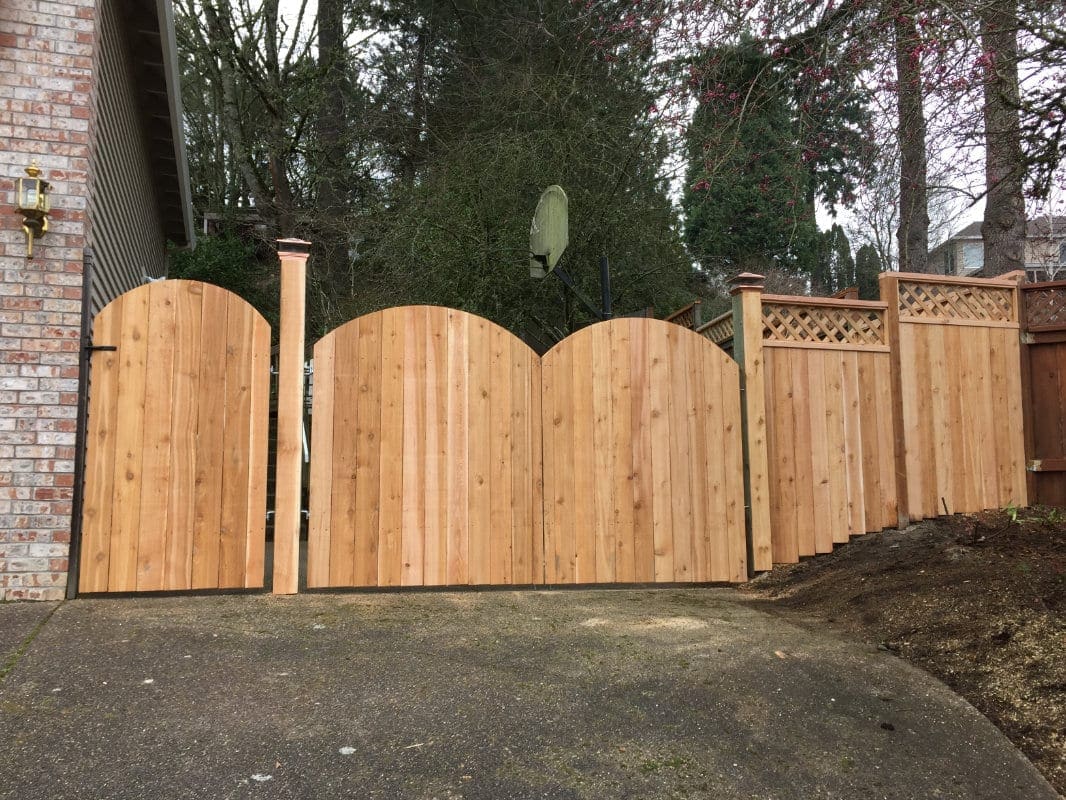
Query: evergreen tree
(867,267)
(835,270)
(749,193)
(494,103)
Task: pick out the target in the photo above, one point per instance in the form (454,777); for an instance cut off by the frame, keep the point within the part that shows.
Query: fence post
(889,285)
(746,289)
(1021,313)
(288,469)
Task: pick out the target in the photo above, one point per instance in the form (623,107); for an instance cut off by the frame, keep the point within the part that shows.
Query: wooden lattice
(1045,308)
(687,317)
(953,301)
(795,322)
(719,329)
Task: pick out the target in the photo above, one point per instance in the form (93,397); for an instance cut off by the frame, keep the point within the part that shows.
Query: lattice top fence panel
(920,300)
(1045,308)
(818,324)
(719,330)
(687,317)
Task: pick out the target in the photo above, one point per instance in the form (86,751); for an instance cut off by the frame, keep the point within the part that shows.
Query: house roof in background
(1046,226)
(153,49)
(971,231)
(1041,226)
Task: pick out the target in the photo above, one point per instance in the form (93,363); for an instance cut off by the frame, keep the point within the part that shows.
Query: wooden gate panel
(181,510)
(643,471)
(211,417)
(129,442)
(424,453)
(175,480)
(151,530)
(100,469)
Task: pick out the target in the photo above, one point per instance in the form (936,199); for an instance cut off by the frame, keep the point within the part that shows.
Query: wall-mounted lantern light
(31,201)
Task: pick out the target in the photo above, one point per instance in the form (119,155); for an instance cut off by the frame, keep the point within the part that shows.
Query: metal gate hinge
(92,348)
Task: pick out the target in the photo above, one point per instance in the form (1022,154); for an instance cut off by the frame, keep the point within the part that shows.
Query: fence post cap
(293,247)
(745,281)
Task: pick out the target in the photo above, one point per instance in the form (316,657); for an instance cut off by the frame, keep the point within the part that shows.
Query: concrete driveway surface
(664,693)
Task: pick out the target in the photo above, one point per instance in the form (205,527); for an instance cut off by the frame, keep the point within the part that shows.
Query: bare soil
(975,600)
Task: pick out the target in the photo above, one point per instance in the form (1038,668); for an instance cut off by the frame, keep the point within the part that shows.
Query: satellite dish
(550,233)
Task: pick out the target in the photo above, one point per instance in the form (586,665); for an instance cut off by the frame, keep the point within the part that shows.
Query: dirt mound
(976,600)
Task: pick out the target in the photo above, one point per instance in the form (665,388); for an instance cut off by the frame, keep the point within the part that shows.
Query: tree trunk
(231,116)
(913,232)
(1003,228)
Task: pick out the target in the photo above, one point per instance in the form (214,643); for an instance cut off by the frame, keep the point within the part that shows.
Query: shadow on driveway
(571,694)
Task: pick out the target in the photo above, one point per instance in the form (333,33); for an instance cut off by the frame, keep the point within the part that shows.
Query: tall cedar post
(288,470)
(1021,313)
(746,289)
(889,283)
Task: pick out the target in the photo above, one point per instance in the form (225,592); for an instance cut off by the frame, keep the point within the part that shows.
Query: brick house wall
(87,88)
(46,51)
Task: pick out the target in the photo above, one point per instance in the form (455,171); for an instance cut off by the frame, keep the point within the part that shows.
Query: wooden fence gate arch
(176,444)
(425,453)
(445,452)
(643,460)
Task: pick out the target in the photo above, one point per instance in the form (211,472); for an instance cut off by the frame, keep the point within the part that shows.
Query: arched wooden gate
(176,446)
(445,452)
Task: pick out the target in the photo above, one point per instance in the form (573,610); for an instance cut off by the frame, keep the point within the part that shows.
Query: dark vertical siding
(125,228)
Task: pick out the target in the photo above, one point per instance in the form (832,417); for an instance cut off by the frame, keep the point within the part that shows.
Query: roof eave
(169,46)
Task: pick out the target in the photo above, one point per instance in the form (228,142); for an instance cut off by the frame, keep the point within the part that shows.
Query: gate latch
(92,348)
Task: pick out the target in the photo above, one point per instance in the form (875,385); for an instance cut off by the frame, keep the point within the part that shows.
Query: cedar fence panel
(643,472)
(425,453)
(959,386)
(828,406)
(175,468)
(1044,367)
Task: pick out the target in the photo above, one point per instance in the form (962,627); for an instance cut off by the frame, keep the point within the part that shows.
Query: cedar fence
(445,452)
(879,413)
(1043,311)
(957,393)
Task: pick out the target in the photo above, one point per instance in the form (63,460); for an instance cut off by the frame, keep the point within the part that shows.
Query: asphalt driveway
(572,694)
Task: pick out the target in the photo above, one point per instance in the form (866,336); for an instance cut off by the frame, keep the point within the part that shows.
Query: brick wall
(45,76)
